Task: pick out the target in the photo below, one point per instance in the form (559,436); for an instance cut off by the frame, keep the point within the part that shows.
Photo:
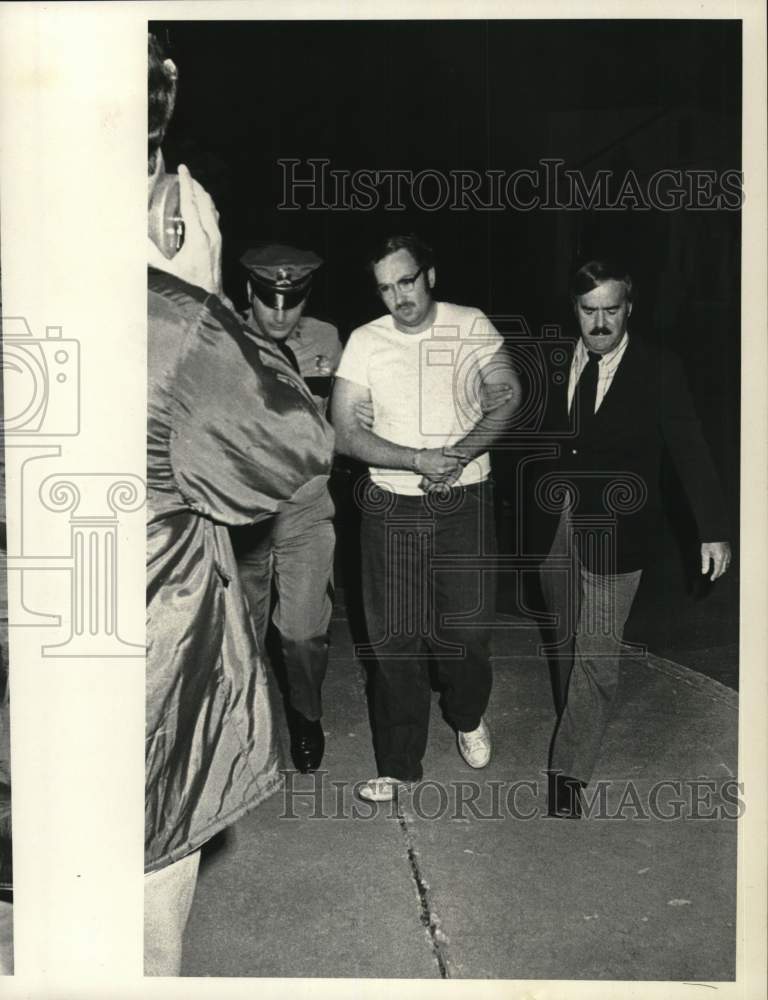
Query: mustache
(600,331)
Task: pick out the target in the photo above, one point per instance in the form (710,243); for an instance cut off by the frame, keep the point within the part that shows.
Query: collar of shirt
(295,334)
(607,367)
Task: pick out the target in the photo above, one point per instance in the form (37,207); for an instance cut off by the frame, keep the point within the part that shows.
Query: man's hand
(363,410)
(461,455)
(350,404)
(199,260)
(493,395)
(446,480)
(438,484)
(717,554)
(436,463)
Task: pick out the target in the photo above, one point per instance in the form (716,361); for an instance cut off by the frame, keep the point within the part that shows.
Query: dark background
(484,95)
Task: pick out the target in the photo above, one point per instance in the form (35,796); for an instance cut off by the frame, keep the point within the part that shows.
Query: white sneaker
(380,789)
(475,747)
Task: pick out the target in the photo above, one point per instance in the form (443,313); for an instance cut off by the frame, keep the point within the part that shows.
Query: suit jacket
(612,469)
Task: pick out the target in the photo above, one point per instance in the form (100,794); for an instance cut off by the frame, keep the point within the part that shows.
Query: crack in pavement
(429,919)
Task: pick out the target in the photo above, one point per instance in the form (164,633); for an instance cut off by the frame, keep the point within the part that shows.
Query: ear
(156,173)
(248,288)
(172,75)
(431,277)
(629,309)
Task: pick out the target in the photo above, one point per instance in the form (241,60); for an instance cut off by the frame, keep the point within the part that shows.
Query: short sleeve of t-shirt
(354,360)
(488,341)
(482,341)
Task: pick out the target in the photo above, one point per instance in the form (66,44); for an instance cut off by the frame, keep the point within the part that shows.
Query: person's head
(601,292)
(183,236)
(162,81)
(279,280)
(404,271)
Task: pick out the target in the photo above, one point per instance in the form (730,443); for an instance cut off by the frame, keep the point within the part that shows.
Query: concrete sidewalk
(466,877)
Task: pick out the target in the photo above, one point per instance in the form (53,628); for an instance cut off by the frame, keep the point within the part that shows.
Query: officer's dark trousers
(426,600)
(295,553)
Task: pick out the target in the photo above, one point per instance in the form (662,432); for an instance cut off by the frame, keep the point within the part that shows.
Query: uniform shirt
(606,369)
(316,346)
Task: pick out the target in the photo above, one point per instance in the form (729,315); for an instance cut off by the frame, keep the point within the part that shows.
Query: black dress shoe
(307,743)
(565,796)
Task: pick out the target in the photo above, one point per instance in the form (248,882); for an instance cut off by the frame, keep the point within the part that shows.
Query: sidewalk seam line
(427,916)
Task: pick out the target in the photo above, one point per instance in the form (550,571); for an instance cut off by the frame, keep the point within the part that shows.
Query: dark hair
(588,274)
(416,247)
(162,97)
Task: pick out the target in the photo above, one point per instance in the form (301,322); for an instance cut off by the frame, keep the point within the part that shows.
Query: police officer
(293,553)
(279,282)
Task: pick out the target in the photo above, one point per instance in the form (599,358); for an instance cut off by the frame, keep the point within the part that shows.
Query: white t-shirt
(424,386)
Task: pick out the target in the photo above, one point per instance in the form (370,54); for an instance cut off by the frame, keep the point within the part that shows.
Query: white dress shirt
(606,369)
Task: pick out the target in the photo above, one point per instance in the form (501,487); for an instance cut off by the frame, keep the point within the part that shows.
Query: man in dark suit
(625,402)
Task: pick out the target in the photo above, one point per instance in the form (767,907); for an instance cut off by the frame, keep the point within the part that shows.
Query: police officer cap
(280,275)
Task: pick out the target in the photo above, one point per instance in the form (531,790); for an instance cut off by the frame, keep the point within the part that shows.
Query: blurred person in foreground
(232,432)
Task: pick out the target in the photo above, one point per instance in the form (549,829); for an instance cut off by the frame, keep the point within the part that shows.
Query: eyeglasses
(404,284)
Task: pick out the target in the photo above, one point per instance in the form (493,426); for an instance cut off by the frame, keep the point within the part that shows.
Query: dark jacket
(613,469)
(232,431)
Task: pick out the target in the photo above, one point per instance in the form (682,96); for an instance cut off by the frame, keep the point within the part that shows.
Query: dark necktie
(586,390)
(290,356)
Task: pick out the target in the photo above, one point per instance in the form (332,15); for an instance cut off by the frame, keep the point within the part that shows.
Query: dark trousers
(592,610)
(293,555)
(427,600)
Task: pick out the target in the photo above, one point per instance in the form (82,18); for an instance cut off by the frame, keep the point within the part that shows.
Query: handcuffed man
(422,368)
